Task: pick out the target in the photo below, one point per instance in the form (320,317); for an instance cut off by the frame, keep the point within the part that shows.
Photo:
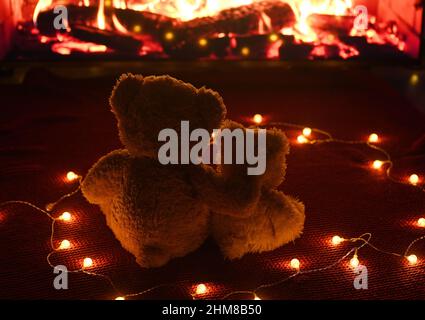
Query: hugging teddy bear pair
(160,212)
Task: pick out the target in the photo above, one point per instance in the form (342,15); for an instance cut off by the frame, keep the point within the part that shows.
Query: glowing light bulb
(373,138)
(414,79)
(336,240)
(119,298)
(258,118)
(66,216)
(295,264)
(273,37)
(354,262)
(87,263)
(65,244)
(72,176)
(307,132)
(169,36)
(413,259)
(257,297)
(245,51)
(421,222)
(201,289)
(302,139)
(377,164)
(203,42)
(414,179)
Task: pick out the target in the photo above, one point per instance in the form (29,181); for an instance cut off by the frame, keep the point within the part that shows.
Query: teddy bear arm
(105,178)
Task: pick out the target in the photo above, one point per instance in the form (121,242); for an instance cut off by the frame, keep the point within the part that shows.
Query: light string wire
(364,239)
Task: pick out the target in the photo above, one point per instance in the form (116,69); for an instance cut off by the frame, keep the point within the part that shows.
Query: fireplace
(288,30)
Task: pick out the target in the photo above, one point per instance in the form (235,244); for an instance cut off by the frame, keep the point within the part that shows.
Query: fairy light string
(201,290)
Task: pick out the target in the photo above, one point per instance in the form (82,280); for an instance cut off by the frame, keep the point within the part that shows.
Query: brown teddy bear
(160,212)
(276,218)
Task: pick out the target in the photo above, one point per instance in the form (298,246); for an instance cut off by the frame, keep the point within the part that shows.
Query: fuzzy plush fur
(162,212)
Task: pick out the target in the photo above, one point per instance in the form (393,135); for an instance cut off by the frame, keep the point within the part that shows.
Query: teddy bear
(161,212)
(276,218)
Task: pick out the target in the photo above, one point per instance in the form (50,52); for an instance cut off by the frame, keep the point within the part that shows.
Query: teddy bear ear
(277,149)
(211,109)
(277,143)
(124,92)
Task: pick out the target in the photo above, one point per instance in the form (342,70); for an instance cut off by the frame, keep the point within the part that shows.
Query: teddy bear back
(152,209)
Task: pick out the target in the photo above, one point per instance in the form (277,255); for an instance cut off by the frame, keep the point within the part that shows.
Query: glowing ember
(67,45)
(121,28)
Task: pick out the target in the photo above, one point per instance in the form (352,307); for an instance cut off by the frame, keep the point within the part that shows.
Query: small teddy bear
(276,218)
(160,212)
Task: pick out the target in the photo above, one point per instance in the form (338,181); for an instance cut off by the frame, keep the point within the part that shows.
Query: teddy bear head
(144,106)
(277,148)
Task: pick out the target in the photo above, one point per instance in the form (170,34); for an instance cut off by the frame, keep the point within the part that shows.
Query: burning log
(294,51)
(376,51)
(325,51)
(241,20)
(339,25)
(148,22)
(110,39)
(218,47)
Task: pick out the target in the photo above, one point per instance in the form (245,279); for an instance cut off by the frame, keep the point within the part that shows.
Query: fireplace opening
(211,29)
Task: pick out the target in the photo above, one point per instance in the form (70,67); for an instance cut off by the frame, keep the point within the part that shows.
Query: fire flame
(190,9)
(118,25)
(101,24)
(305,8)
(185,10)
(41,6)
